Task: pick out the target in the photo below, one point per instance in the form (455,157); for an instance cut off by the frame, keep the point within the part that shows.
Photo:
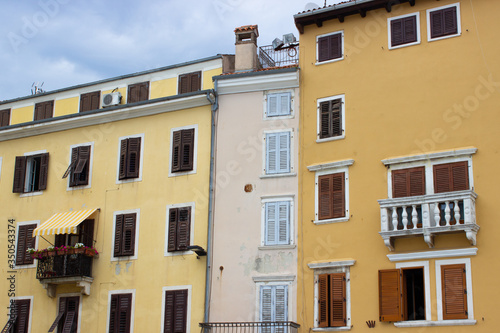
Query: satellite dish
(311,6)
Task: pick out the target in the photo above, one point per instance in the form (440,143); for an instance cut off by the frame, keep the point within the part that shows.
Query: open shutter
(124,313)
(71,167)
(23,313)
(325,209)
(25,240)
(44,172)
(128,234)
(69,322)
(323,300)
(338,195)
(71,317)
(173,215)
(180,311)
(176,151)
(271,223)
(133,157)
(81,173)
(284,152)
(87,233)
(271,152)
(183,228)
(389,288)
(408,182)
(283,222)
(30,243)
(62,310)
(187,149)
(19,174)
(118,235)
(338,300)
(454,291)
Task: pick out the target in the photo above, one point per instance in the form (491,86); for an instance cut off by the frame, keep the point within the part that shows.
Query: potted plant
(79,248)
(90,251)
(62,250)
(51,251)
(33,253)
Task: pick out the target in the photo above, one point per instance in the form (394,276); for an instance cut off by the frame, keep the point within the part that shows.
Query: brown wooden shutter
(87,233)
(90,101)
(138,92)
(169,312)
(454,291)
(62,310)
(195,83)
(444,22)
(331,118)
(71,315)
(330,47)
(21,245)
(60,240)
(173,215)
(338,315)
(408,182)
(323,300)
(122,174)
(4,117)
(124,313)
(176,151)
(397,32)
(30,243)
(331,196)
(389,288)
(82,166)
(71,168)
(113,313)
(338,195)
(23,315)
(117,249)
(183,84)
(183,228)
(133,157)
(44,110)
(19,174)
(175,316)
(128,234)
(187,147)
(451,177)
(404,31)
(44,171)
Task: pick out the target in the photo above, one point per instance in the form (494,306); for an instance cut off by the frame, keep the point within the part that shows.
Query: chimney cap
(248,28)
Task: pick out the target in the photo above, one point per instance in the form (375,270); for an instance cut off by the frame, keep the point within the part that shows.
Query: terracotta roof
(262,70)
(333,5)
(246,28)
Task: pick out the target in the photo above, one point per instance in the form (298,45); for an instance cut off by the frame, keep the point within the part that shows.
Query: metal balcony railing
(250,327)
(285,56)
(67,265)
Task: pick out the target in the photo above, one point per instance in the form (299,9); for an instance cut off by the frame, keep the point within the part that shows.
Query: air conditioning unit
(111,99)
(289,38)
(277,43)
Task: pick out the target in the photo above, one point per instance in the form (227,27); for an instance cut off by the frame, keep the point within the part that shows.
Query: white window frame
(136,245)
(389,31)
(439,292)
(132,307)
(291,231)
(141,160)
(33,265)
(291,150)
(341,266)
(188,312)
(274,281)
(27,155)
(191,229)
(318,118)
(459,24)
(31,298)
(195,151)
(427,289)
(91,163)
(265,103)
(327,169)
(341,32)
(80,301)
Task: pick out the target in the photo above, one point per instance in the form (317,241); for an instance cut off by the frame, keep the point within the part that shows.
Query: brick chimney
(246,58)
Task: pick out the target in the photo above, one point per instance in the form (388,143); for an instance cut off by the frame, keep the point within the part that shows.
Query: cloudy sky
(68,42)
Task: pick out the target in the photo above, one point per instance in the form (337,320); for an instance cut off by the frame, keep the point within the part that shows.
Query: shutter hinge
(464,270)
(465,291)
(467,313)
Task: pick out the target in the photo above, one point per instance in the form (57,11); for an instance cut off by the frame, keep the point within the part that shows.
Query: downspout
(214,100)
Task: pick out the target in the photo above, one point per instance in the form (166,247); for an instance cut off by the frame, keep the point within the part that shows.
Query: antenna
(36,88)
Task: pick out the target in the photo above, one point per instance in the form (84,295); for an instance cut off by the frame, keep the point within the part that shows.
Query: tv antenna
(36,88)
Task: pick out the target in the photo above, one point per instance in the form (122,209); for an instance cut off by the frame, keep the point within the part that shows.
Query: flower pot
(51,253)
(89,252)
(61,252)
(79,250)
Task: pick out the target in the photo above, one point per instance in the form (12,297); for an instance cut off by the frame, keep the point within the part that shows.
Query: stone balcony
(428,216)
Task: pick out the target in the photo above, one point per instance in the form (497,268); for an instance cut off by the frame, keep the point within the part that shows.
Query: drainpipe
(214,100)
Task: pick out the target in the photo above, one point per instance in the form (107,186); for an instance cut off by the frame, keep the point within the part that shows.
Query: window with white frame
(332,295)
(179,228)
(31,172)
(183,150)
(79,172)
(404,30)
(443,22)
(176,309)
(277,221)
(331,191)
(273,305)
(25,241)
(278,152)
(125,234)
(130,158)
(331,118)
(121,306)
(330,47)
(20,314)
(278,104)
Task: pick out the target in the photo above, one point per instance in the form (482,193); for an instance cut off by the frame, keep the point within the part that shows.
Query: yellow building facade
(398,150)
(120,166)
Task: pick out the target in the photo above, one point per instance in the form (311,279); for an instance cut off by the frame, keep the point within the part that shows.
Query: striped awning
(63,223)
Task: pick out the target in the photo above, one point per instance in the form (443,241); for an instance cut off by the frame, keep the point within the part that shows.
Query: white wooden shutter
(284,104)
(284,152)
(271,152)
(283,222)
(278,152)
(278,104)
(273,307)
(266,303)
(271,208)
(272,105)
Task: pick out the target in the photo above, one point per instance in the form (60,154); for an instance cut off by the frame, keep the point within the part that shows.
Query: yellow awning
(63,223)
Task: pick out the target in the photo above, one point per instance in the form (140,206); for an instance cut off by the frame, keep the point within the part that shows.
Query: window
(79,168)
(130,158)
(183,150)
(443,22)
(30,173)
(277,223)
(67,317)
(120,313)
(4,117)
(138,92)
(19,319)
(273,306)
(278,152)
(125,235)
(176,311)
(330,47)
(179,225)
(404,30)
(44,110)
(278,104)
(90,101)
(25,241)
(189,82)
(331,121)
(84,235)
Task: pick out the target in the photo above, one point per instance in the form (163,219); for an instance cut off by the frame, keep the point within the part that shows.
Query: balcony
(250,327)
(429,215)
(270,57)
(65,269)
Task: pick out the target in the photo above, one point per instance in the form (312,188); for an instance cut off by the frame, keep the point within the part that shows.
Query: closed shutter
(397,32)
(330,118)
(323,300)
(25,240)
(19,174)
(187,149)
(271,222)
(90,101)
(266,303)
(330,47)
(44,171)
(120,313)
(337,300)
(272,152)
(87,233)
(278,152)
(176,151)
(408,182)
(117,250)
(273,304)
(278,104)
(277,223)
(331,194)
(138,92)
(195,81)
(272,105)
(404,31)
(128,234)
(183,84)
(23,316)
(44,110)
(183,228)
(454,291)
(389,288)
(175,316)
(451,177)
(444,22)
(189,82)
(338,195)
(133,157)
(283,223)
(4,117)
(173,214)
